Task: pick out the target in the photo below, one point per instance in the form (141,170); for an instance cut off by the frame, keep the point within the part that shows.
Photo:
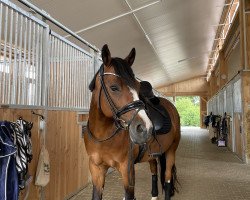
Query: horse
(120,133)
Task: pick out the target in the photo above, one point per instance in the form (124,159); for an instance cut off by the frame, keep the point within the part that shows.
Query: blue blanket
(8,171)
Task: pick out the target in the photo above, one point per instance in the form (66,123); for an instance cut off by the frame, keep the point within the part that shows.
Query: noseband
(117,113)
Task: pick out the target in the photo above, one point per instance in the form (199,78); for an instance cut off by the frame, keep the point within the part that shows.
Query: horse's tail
(174,180)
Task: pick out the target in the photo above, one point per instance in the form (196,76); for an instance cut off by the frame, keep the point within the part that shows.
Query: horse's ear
(106,56)
(131,57)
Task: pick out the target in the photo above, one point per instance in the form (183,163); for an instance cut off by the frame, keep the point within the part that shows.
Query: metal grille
(229,106)
(221,103)
(237,96)
(21,57)
(71,70)
(38,68)
(209,107)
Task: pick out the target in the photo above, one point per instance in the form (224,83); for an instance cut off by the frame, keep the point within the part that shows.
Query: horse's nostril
(140,128)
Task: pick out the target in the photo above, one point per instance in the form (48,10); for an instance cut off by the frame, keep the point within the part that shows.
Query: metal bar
(63,75)
(41,95)
(20,61)
(10,56)
(56,78)
(46,69)
(60,76)
(5,53)
(33,77)
(149,41)
(15,70)
(1,66)
(51,83)
(49,18)
(68,76)
(24,13)
(116,17)
(28,66)
(74,74)
(78,80)
(84,79)
(228,4)
(1,14)
(224,24)
(69,43)
(54,72)
(24,89)
(71,76)
(37,65)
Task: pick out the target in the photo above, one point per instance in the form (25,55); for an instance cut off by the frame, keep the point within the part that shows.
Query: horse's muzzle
(138,132)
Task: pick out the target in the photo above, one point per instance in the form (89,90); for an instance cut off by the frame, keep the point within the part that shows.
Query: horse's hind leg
(153,169)
(98,178)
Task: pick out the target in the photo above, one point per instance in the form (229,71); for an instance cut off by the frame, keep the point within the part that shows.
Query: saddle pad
(160,118)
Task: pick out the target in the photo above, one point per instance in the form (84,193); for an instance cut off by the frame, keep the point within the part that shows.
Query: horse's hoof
(154,198)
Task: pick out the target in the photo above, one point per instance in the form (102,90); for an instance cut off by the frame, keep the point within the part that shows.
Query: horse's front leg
(128,178)
(98,173)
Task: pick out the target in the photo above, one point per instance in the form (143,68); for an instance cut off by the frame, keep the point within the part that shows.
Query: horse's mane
(122,69)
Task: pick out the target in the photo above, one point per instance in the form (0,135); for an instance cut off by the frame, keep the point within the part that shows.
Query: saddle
(157,113)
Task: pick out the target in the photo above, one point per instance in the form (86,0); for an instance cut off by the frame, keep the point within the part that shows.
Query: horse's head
(115,92)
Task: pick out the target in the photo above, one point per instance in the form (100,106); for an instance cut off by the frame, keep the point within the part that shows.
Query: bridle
(120,123)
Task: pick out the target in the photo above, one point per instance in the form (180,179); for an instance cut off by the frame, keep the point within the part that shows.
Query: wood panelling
(246,108)
(238,135)
(69,161)
(68,157)
(203,110)
(13,115)
(194,87)
(233,62)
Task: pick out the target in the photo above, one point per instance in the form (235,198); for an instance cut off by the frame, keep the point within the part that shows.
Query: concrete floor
(205,172)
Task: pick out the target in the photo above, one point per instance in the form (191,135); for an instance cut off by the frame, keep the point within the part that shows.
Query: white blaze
(142,113)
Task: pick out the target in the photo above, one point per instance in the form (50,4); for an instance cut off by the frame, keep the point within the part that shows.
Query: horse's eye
(114,88)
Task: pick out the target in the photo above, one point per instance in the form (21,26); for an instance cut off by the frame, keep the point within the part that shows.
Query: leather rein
(117,113)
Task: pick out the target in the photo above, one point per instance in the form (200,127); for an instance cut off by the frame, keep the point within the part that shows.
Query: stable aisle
(205,172)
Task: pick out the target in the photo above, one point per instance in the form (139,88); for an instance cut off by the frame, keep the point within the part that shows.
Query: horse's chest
(105,158)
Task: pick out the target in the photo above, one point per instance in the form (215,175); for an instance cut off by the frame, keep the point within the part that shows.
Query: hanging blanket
(22,140)
(8,171)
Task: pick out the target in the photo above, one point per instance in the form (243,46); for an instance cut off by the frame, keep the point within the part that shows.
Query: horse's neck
(98,122)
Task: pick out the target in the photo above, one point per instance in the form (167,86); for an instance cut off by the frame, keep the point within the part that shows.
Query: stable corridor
(205,172)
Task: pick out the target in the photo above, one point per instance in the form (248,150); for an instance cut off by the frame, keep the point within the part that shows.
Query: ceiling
(181,32)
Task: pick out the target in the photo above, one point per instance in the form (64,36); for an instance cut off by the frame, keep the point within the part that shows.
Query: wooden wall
(197,86)
(203,110)
(69,161)
(13,115)
(235,56)
(246,108)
